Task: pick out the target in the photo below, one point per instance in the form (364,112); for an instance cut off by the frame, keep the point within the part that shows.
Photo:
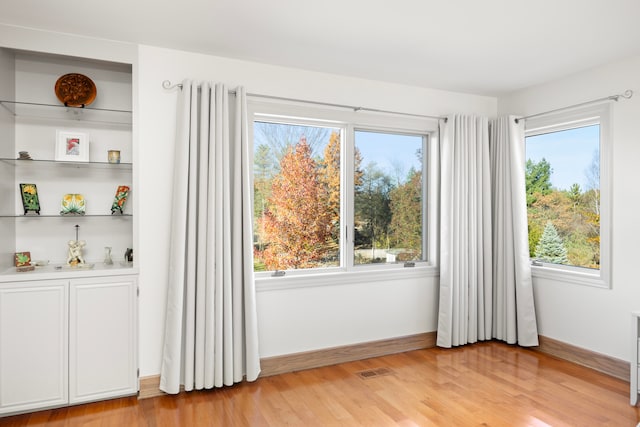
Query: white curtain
(514,318)
(465,232)
(211,336)
(485,276)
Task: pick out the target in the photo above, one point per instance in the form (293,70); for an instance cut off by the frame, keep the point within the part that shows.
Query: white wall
(290,320)
(588,317)
(7,135)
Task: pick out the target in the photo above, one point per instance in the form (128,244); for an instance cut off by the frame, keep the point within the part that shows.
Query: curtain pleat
(211,336)
(514,319)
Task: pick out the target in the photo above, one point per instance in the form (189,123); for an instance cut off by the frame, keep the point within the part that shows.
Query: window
(297,196)
(568,195)
(332,195)
(389,197)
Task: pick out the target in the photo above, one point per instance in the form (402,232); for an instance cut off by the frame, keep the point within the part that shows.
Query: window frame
(599,114)
(350,121)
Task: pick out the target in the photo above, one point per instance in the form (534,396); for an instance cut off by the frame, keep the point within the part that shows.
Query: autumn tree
(263,171)
(296,221)
(329,176)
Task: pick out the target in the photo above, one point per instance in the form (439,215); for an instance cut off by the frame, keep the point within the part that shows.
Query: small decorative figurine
(30,201)
(121,197)
(128,255)
(75,252)
(74,257)
(107,255)
(73,204)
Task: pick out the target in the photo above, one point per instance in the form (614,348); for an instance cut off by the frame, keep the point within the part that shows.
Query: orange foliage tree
(296,223)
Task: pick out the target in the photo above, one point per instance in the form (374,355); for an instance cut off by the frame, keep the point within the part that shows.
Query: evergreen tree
(550,247)
(372,209)
(406,214)
(537,179)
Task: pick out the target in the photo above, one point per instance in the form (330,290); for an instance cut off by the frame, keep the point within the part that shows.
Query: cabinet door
(102,338)
(33,345)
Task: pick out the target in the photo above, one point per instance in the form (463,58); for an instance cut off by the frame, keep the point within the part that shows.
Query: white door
(33,345)
(102,338)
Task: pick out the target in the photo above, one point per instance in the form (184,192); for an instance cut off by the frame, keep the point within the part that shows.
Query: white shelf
(63,271)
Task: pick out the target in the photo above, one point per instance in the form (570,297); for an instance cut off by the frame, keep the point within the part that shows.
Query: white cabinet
(635,357)
(67,342)
(33,345)
(102,339)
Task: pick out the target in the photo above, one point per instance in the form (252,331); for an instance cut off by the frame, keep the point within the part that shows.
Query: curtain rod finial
(167,85)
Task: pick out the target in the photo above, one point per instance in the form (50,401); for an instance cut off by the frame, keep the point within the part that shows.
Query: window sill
(568,275)
(342,277)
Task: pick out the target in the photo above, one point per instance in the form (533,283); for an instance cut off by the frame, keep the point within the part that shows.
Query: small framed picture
(72,146)
(30,201)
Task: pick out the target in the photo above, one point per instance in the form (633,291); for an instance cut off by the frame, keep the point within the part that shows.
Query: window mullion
(347,197)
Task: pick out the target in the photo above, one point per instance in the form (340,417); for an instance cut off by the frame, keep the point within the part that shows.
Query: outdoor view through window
(388,194)
(563,196)
(299,197)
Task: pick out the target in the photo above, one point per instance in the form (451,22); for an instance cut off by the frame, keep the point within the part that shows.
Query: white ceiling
(485,47)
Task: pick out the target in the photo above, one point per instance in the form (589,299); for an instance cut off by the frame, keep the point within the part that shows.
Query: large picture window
(337,195)
(568,193)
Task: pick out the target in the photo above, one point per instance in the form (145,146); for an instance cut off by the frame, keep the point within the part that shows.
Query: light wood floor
(488,384)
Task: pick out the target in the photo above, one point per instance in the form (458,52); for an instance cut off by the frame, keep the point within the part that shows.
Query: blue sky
(569,152)
(388,150)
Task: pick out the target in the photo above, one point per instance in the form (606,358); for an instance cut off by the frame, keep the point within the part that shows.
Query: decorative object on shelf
(30,201)
(107,255)
(72,146)
(121,198)
(42,263)
(113,156)
(73,204)
(75,90)
(23,261)
(24,155)
(128,255)
(74,257)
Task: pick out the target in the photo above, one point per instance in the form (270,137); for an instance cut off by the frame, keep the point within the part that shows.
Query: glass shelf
(36,162)
(32,216)
(61,112)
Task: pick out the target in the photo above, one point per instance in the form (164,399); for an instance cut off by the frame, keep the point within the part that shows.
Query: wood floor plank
(485,384)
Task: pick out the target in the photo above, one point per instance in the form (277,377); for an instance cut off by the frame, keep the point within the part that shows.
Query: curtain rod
(626,95)
(167,85)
